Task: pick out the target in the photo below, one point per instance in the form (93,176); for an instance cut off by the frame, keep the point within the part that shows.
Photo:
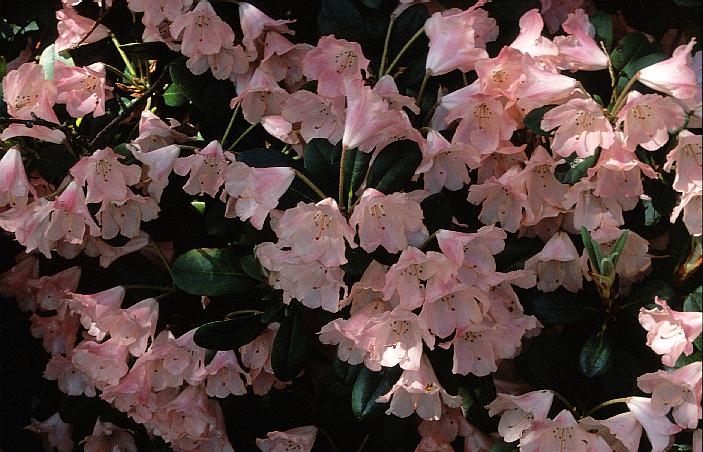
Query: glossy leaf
(533,120)
(595,253)
(290,348)
(596,356)
(210,271)
(229,334)
(603,24)
(394,166)
(369,386)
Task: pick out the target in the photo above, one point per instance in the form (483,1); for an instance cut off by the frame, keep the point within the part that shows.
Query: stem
(621,98)
(310,184)
(241,137)
(116,71)
(341,176)
(404,49)
(611,71)
(161,255)
(328,438)
(428,74)
(241,312)
(606,403)
(231,123)
(464,79)
(564,402)
(428,240)
(100,18)
(385,47)
(363,442)
(123,55)
(148,287)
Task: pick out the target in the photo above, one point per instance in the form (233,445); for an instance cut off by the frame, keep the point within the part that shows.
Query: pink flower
(545,194)
(299,438)
(104,363)
(107,437)
(319,116)
(51,291)
(253,22)
(484,122)
(203,31)
(688,158)
(106,177)
(316,231)
(96,247)
(658,428)
(206,166)
(592,211)
(562,433)
(70,216)
(472,254)
(13,282)
(520,413)
(160,163)
(634,259)
(503,75)
(503,199)
(530,39)
(96,308)
(58,332)
(582,128)
(419,391)
(134,326)
(331,62)
(444,164)
(622,432)
(73,28)
(670,333)
(674,76)
(124,217)
(455,310)
(557,265)
(14,185)
(29,224)
(155,133)
(556,11)
(388,90)
(158,11)
(679,389)
(458,38)
(58,432)
(70,380)
(648,118)
(437,435)
(254,192)
(224,376)
(691,205)
(498,162)
(82,89)
(256,356)
(478,347)
(578,51)
(542,87)
(261,96)
(388,221)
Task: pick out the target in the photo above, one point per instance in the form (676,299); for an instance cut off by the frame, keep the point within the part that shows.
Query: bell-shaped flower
(589,210)
(622,432)
(29,224)
(14,185)
(124,217)
(437,435)
(154,133)
(458,38)
(94,309)
(502,200)
(169,361)
(13,282)
(578,50)
(82,89)
(299,438)
(134,326)
(543,87)
(545,194)
(519,413)
(74,29)
(70,380)
(557,265)
(479,346)
(674,76)
(648,118)
(472,253)
(530,39)
(582,128)
(254,192)
(203,31)
(690,204)
(562,433)
(96,247)
(444,164)
(104,363)
(316,231)
(331,62)
(158,11)
(254,22)
(498,162)
(261,96)
(224,376)
(484,122)
(388,90)
(687,158)
(51,291)
(256,356)
(70,216)
(555,12)
(634,259)
(502,75)
(319,116)
(658,428)
(106,177)
(58,432)
(455,310)
(206,166)
(388,220)
(679,389)
(58,332)
(108,436)
(418,391)
(670,333)
(160,163)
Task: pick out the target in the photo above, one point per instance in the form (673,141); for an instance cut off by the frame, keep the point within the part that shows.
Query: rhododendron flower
(331,62)
(106,177)
(229,61)
(670,333)
(545,194)
(104,363)
(591,211)
(14,185)
(224,376)
(502,199)
(158,11)
(253,22)
(647,120)
(557,265)
(388,90)
(502,75)
(74,28)
(299,438)
(691,205)
(437,435)
(679,389)
(484,123)
(479,346)
(51,291)
(256,356)
(419,391)
(124,217)
(70,216)
(107,436)
(388,221)
(160,163)
(58,332)
(530,39)
(543,87)
(316,231)
(688,158)
(29,224)
(582,128)
(578,51)
(254,192)
(262,96)
(96,247)
(556,11)
(473,254)
(203,31)
(622,432)
(94,309)
(319,116)
(206,166)
(562,433)
(498,162)
(154,133)
(520,413)
(82,89)
(58,432)
(455,310)
(458,38)
(70,380)
(134,326)
(445,164)
(658,428)
(674,76)
(13,282)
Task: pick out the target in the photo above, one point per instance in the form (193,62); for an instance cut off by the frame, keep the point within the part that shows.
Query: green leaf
(369,386)
(173,97)
(595,253)
(631,47)
(559,310)
(618,247)
(634,66)
(251,266)
(643,294)
(579,168)
(692,358)
(533,120)
(229,334)
(49,57)
(211,272)
(603,24)
(501,446)
(149,51)
(596,356)
(357,164)
(693,301)
(394,166)
(290,347)
(322,163)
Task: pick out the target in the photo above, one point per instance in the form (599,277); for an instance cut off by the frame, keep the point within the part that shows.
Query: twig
(405,48)
(100,18)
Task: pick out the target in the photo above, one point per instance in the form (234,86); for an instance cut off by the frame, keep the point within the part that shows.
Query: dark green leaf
(693,301)
(273,313)
(579,168)
(596,356)
(173,96)
(322,163)
(394,166)
(603,24)
(533,120)
(631,47)
(229,334)
(595,253)
(369,386)
(210,271)
(356,164)
(290,348)
(632,67)
(501,446)
(618,247)
(643,294)
(149,51)
(692,358)
(558,310)
(251,266)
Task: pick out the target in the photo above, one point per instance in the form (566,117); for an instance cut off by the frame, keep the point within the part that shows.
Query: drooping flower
(106,178)
(503,75)
(647,119)
(58,432)
(520,413)
(299,438)
(674,76)
(51,291)
(658,428)
(107,436)
(319,116)
(687,156)
(260,97)
(256,356)
(679,389)
(670,333)
(206,167)
(444,164)
(82,89)
(502,200)
(224,375)
(94,309)
(254,22)
(557,265)
(578,51)
(331,62)
(562,433)
(74,28)
(203,31)
(14,185)
(484,122)
(582,128)
(455,310)
(555,12)
(690,204)
(70,216)
(530,39)
(134,326)
(545,194)
(13,282)
(104,363)
(70,380)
